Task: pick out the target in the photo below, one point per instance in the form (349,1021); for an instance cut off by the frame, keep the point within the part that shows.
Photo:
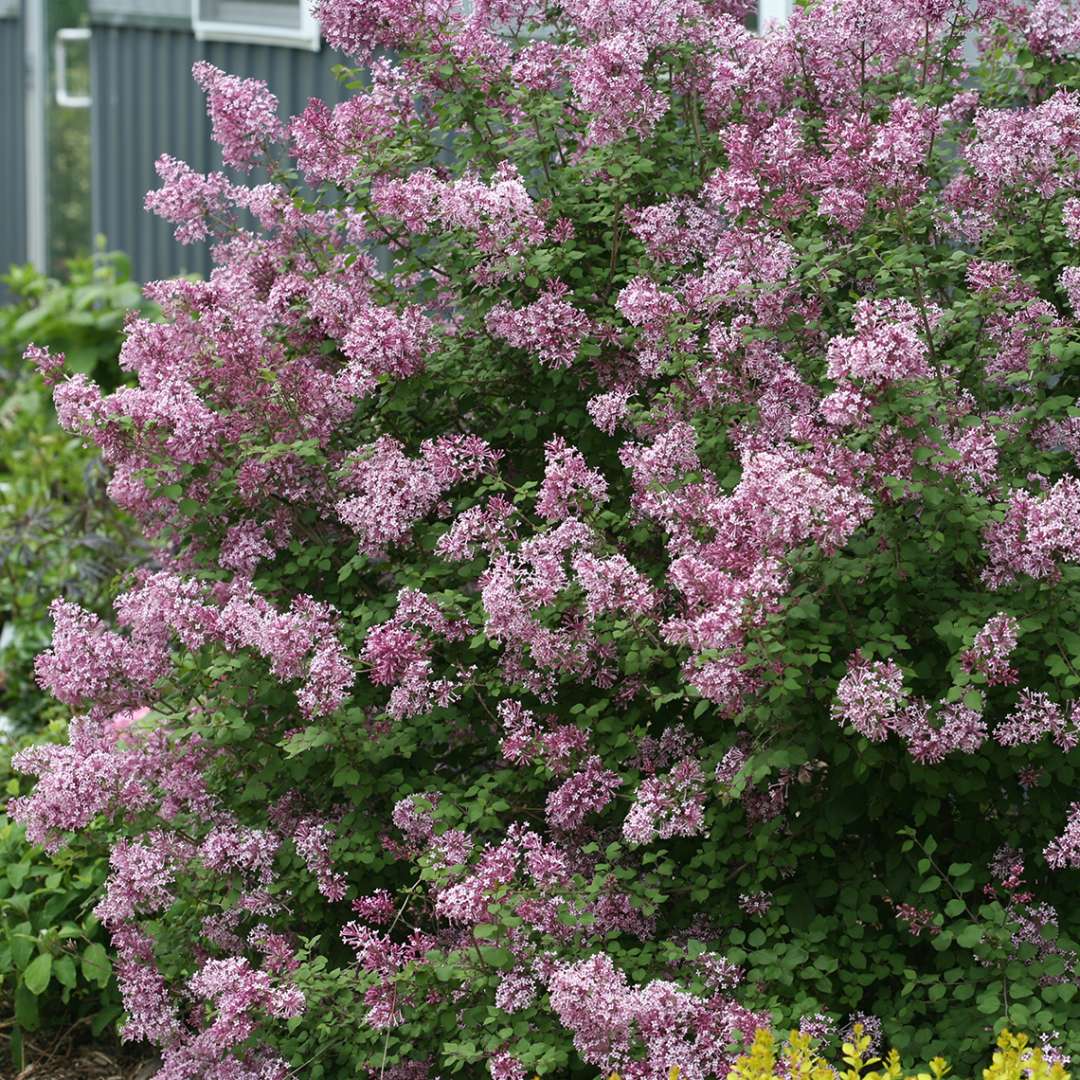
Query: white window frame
(773,11)
(208,27)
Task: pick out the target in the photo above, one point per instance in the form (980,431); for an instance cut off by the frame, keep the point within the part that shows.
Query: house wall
(146,104)
(13,138)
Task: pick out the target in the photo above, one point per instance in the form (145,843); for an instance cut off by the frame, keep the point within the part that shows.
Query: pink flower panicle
(243,113)
(391,492)
(49,364)
(588,791)
(1063,852)
(990,650)
(670,805)
(613,1023)
(1035,716)
(1035,535)
(551,328)
(869,697)
(197,205)
(567,482)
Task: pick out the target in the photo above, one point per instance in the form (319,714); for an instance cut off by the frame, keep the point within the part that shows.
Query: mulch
(67,1057)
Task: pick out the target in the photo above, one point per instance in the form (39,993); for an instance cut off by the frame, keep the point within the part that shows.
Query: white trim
(773,11)
(35,57)
(63,97)
(305,36)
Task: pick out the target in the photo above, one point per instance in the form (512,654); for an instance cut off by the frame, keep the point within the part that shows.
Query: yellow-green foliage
(1014,1059)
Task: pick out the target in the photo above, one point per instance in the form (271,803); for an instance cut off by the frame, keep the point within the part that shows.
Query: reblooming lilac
(619,473)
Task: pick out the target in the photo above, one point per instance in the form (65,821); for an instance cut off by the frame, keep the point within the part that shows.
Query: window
(264,22)
(770,11)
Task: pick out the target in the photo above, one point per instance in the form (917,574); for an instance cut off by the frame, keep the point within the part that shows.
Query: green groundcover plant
(618,528)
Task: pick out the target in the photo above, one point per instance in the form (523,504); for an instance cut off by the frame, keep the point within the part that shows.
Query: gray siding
(146,104)
(12,137)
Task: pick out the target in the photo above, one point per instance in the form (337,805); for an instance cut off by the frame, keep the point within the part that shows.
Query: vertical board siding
(13,138)
(146,104)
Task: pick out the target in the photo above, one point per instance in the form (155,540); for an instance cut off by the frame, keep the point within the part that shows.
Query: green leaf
(104,1018)
(38,974)
(64,971)
(26,1008)
(496,957)
(96,965)
(970,936)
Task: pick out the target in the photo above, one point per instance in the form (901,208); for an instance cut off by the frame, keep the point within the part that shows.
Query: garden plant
(58,532)
(58,529)
(616,518)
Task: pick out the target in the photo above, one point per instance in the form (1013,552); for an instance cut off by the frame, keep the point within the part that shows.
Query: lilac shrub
(615,504)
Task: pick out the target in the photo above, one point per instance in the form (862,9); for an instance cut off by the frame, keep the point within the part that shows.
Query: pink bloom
(756,903)
(886,348)
(382,342)
(243,112)
(666,806)
(1035,533)
(1071,219)
(49,364)
(197,205)
(609,83)
(359,28)
(642,304)
(869,696)
(551,328)
(392,491)
(567,481)
(1064,851)
(1070,283)
(612,584)
(586,792)
(1034,717)
(503,1066)
(990,651)
(608,409)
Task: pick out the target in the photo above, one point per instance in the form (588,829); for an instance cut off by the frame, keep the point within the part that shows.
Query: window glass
(274,22)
